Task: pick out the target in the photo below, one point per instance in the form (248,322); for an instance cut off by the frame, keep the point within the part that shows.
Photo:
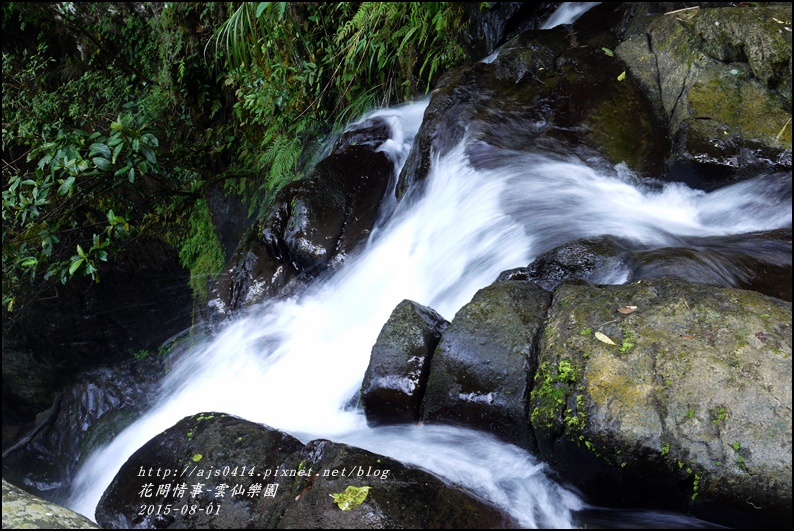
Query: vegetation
(120,118)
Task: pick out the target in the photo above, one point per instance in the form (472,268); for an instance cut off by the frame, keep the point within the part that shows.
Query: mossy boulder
(395,381)
(689,408)
(479,375)
(249,475)
(22,510)
(720,78)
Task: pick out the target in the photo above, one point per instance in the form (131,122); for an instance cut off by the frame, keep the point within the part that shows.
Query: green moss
(719,414)
(586,332)
(665,449)
(628,341)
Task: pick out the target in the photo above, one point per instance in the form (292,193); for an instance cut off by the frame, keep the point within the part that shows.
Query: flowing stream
(438,249)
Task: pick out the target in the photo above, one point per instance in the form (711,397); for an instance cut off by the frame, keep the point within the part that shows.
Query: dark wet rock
(311,225)
(230,218)
(759,261)
(690,409)
(401,496)
(720,78)
(479,375)
(300,478)
(395,381)
(87,415)
(545,89)
(499,22)
(142,300)
(198,446)
(22,510)
(598,260)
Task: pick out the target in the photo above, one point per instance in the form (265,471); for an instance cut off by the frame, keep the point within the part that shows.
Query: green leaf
(261,8)
(80,251)
(29,262)
(608,52)
(351,498)
(99,149)
(131,175)
(102,163)
(149,154)
(75,265)
(66,187)
(151,140)
(622,76)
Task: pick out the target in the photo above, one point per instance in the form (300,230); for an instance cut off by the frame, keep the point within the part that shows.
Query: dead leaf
(625,310)
(604,339)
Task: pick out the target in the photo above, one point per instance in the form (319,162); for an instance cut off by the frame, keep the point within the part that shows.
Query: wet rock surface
(87,415)
(479,372)
(759,261)
(546,89)
(285,484)
(312,224)
(689,408)
(395,381)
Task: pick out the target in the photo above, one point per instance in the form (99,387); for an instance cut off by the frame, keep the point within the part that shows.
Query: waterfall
(469,224)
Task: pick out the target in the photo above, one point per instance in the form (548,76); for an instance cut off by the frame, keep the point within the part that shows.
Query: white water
(467,227)
(567,13)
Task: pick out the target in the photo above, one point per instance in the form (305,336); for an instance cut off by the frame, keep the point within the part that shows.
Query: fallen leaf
(625,310)
(687,337)
(351,498)
(608,52)
(622,76)
(604,339)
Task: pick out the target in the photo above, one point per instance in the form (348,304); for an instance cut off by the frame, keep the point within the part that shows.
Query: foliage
(119,118)
(302,70)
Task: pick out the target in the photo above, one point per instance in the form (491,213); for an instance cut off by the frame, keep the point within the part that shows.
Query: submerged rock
(253,476)
(395,381)
(479,375)
(690,407)
(759,261)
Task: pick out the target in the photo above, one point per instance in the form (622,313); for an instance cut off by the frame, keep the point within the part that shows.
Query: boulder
(270,480)
(208,449)
(546,89)
(480,372)
(26,511)
(395,381)
(720,78)
(400,496)
(311,225)
(690,408)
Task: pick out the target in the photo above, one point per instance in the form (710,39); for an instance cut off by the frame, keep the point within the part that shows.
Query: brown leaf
(604,339)
(625,310)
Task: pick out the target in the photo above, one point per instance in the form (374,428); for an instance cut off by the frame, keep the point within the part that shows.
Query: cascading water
(437,249)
